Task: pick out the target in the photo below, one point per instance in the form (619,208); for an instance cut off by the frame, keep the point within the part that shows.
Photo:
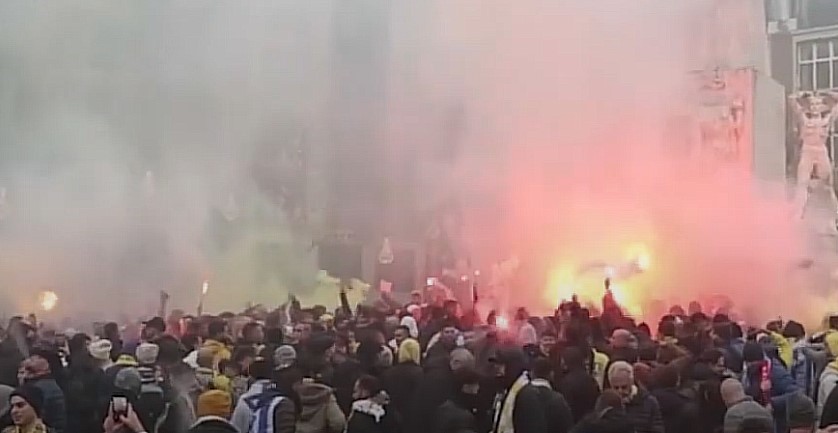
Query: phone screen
(431,281)
(120,407)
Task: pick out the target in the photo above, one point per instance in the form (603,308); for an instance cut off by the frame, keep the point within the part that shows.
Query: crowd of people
(425,366)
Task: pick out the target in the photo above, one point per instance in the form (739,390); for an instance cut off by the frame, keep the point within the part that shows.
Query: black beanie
(32,395)
(753,352)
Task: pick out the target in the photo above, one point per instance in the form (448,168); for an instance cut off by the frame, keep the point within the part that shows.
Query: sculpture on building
(720,119)
(815,112)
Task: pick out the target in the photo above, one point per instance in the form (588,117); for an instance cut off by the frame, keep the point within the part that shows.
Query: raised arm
(794,102)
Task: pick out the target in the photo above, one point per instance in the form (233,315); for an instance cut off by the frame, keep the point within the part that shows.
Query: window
(817,69)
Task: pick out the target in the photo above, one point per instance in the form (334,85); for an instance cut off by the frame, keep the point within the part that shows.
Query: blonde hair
(409,350)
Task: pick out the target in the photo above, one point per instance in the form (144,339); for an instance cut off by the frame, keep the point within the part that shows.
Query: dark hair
(371,384)
(261,369)
(665,377)
(273,336)
(794,330)
(699,317)
(573,358)
(542,368)
(190,341)
(403,328)
(609,399)
(171,351)
(465,376)
(111,329)
(243,352)
(216,328)
(249,327)
(666,328)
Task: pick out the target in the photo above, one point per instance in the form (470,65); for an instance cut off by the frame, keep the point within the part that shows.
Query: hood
(610,421)
(369,407)
(314,394)
(831,368)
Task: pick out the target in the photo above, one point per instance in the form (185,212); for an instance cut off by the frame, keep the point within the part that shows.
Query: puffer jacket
(55,406)
(828,380)
(320,412)
(644,414)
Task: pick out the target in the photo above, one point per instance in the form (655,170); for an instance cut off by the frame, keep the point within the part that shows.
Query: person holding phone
(122,418)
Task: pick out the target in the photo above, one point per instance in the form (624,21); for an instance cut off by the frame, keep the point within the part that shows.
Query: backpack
(153,401)
(262,407)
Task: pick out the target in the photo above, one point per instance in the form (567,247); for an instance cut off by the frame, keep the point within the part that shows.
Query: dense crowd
(423,367)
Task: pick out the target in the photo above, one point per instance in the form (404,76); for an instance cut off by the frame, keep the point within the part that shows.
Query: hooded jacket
(212,424)
(608,421)
(557,413)
(369,416)
(320,412)
(828,380)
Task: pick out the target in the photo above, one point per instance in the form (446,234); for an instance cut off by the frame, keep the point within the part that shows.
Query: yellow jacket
(600,364)
(784,347)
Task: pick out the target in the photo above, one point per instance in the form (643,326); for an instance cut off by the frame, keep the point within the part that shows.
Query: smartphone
(119,407)
(431,281)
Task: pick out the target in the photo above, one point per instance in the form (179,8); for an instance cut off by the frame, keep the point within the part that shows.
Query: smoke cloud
(548,121)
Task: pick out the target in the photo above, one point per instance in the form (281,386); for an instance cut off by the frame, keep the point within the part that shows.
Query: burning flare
(48,300)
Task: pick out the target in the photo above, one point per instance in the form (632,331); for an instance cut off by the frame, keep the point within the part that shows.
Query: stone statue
(815,112)
(720,120)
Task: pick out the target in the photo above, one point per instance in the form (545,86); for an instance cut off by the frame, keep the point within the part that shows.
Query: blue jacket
(55,408)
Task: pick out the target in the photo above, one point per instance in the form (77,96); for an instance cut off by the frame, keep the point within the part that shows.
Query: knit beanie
(100,350)
(33,396)
(284,357)
(147,353)
(215,403)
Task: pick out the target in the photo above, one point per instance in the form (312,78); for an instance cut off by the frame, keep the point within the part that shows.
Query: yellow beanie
(215,403)
(409,350)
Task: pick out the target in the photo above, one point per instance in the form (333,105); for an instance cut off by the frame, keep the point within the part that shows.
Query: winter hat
(100,350)
(147,353)
(33,396)
(284,357)
(129,380)
(801,411)
(410,323)
(215,403)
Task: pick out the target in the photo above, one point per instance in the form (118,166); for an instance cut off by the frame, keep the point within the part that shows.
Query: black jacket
(10,359)
(557,413)
(679,411)
(581,391)
(434,389)
(528,413)
(370,417)
(212,425)
(86,385)
(453,417)
(644,413)
(401,383)
(609,421)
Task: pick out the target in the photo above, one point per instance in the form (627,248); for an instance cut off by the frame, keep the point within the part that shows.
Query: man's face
(449,335)
(22,413)
(622,383)
(400,335)
(548,342)
(719,367)
(416,298)
(498,369)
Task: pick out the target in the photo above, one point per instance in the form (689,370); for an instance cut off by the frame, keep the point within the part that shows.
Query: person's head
(253,333)
(171,352)
(817,104)
(416,297)
(78,345)
(621,379)
(100,350)
(217,330)
(573,359)
(621,339)
(26,404)
(300,332)
(461,358)
(153,329)
(732,392)
(111,331)
(609,399)
(794,330)
(451,307)
(448,337)
(206,358)
(666,377)
(713,358)
(802,416)
(400,334)
(284,357)
(467,381)
(366,387)
(409,351)
(753,354)
(547,342)
(756,425)
(542,368)
(508,364)
(261,369)
(215,403)
(37,365)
